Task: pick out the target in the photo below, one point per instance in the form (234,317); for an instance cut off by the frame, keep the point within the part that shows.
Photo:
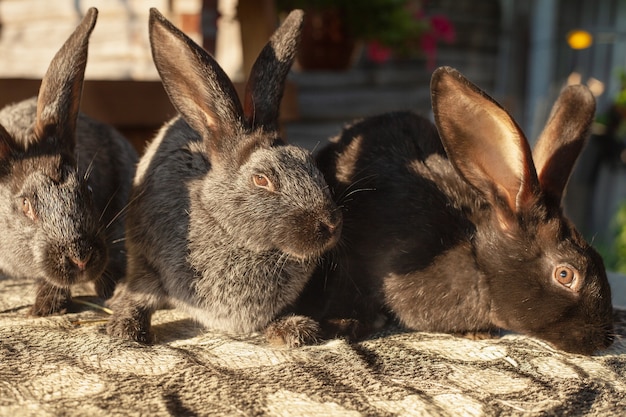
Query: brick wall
(33,30)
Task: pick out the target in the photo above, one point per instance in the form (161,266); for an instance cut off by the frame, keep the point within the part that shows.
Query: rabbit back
(388,171)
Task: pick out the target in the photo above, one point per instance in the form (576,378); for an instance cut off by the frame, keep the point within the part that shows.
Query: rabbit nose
(330,228)
(336,220)
(81,261)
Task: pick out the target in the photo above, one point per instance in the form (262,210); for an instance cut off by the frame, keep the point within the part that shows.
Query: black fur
(466,244)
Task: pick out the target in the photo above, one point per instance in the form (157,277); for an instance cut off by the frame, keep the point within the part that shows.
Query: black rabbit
(64,182)
(459,228)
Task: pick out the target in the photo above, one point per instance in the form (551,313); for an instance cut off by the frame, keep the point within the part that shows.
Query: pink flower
(433,29)
(378,53)
(428,44)
(442,28)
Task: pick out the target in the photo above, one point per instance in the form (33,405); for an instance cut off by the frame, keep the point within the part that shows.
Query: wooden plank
(137,108)
(258,19)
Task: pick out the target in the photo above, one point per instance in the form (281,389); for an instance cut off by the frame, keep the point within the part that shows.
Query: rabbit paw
(480,335)
(350,329)
(293,331)
(51,300)
(104,286)
(134,326)
(353,329)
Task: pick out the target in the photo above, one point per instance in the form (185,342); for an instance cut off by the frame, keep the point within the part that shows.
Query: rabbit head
(264,193)
(543,278)
(50,231)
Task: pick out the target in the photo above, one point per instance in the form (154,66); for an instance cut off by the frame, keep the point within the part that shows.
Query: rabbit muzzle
(71,263)
(317,233)
(586,340)
(329,230)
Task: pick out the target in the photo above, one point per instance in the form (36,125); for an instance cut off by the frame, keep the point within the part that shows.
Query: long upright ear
(196,85)
(563,138)
(483,141)
(6,144)
(266,83)
(61,88)
(7,148)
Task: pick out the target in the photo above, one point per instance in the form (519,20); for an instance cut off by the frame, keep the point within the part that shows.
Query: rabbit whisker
(106,206)
(315,147)
(357,191)
(350,189)
(280,263)
(123,210)
(51,292)
(90,167)
(276,268)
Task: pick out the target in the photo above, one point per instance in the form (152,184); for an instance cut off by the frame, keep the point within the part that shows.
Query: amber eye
(565,275)
(261,181)
(27,209)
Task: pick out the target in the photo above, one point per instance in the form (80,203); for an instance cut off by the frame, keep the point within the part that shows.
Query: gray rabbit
(226,221)
(64,182)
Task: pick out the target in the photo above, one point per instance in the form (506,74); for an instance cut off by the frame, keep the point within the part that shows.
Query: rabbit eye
(27,209)
(262,181)
(565,275)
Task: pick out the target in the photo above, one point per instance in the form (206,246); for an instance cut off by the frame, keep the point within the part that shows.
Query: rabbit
(226,221)
(458,228)
(65,179)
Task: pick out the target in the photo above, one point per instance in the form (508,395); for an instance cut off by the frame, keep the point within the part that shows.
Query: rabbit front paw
(50,300)
(293,331)
(104,286)
(480,335)
(132,326)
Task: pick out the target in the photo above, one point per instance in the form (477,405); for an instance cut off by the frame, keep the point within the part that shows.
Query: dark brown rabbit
(226,221)
(460,228)
(64,181)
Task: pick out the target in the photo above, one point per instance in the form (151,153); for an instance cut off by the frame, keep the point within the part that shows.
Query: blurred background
(360,58)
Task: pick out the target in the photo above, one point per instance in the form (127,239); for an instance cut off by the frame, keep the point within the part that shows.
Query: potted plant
(334,28)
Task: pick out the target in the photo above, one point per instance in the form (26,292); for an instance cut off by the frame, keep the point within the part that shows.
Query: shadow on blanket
(67,365)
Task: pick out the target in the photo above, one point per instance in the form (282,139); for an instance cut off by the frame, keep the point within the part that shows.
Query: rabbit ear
(563,138)
(6,144)
(483,141)
(196,84)
(59,96)
(265,87)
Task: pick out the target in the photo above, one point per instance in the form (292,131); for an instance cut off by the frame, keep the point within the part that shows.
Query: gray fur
(201,235)
(75,173)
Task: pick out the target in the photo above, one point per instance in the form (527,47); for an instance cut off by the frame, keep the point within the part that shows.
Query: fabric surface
(67,365)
